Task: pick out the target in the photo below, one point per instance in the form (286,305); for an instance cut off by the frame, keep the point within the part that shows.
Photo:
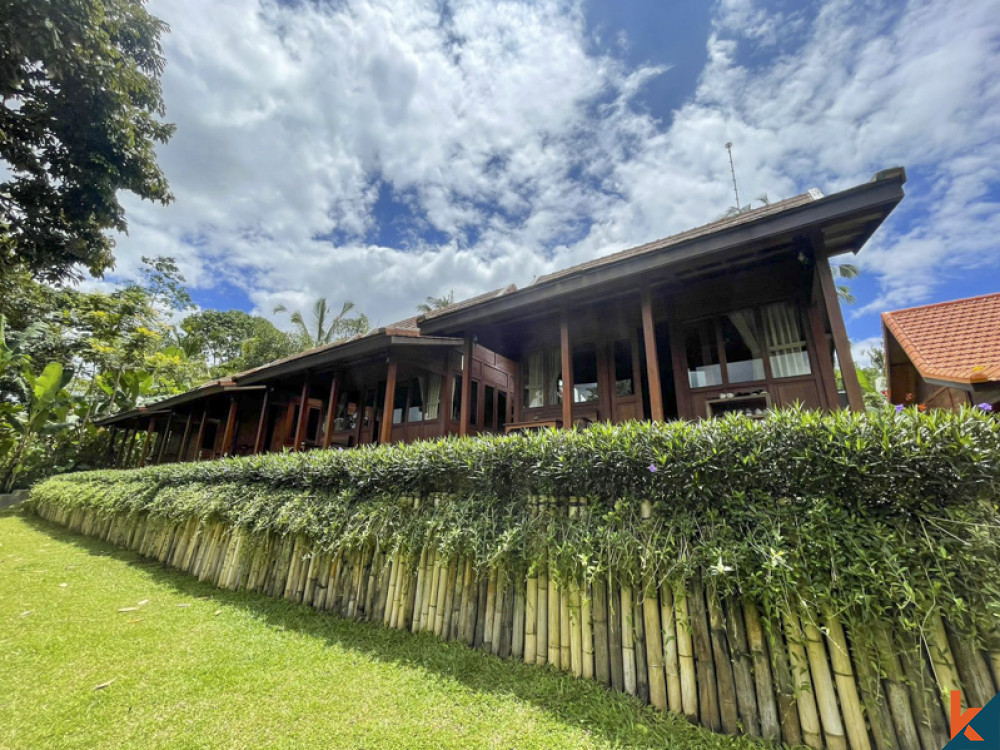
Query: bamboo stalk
(973,670)
(454,619)
(628,642)
(802,685)
(491,606)
(469,601)
(482,596)
(505,635)
(409,599)
(602,659)
(518,626)
(445,603)
(931,720)
(725,679)
(615,653)
(587,633)
(685,654)
(564,629)
(639,641)
(426,597)
(770,725)
(387,615)
(743,669)
(531,621)
(671,665)
(371,594)
(654,651)
(873,697)
(554,630)
(497,614)
(822,680)
(847,690)
(942,661)
(708,703)
(542,621)
(575,630)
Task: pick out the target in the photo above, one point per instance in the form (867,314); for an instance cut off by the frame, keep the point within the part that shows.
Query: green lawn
(195,667)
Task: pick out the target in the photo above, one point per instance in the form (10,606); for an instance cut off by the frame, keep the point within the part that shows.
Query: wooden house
(944,355)
(741,314)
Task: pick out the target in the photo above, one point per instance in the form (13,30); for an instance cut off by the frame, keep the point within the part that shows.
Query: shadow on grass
(616,717)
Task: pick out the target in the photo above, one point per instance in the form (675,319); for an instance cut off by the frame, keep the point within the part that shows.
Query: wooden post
(331,407)
(652,361)
(163,441)
(258,441)
(385,437)
(840,341)
(567,372)
(182,448)
(300,428)
(229,434)
(201,434)
(146,442)
(463,427)
(821,347)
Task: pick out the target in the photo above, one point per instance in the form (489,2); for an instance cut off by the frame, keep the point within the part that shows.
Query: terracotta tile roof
(689,234)
(957,341)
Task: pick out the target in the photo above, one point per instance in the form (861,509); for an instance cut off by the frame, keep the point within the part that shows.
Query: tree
(844,271)
(80,108)
(436,303)
(322,332)
(233,340)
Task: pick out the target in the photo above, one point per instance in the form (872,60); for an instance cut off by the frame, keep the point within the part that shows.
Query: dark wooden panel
(805,392)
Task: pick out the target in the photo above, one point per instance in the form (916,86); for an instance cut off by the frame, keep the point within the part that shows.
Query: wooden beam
(147,441)
(840,340)
(821,347)
(201,434)
(258,441)
(163,441)
(300,428)
(463,427)
(652,360)
(182,449)
(567,372)
(229,435)
(331,408)
(385,433)
(678,362)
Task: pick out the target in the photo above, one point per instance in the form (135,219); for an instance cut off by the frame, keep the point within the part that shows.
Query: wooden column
(840,340)
(229,434)
(567,372)
(201,434)
(385,433)
(678,361)
(258,441)
(652,361)
(463,428)
(147,441)
(821,347)
(300,428)
(163,441)
(331,407)
(182,449)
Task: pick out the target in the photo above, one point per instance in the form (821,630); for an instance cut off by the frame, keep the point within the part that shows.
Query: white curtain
(432,400)
(534,381)
(786,344)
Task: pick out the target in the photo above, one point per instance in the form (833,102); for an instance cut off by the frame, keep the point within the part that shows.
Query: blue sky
(386,151)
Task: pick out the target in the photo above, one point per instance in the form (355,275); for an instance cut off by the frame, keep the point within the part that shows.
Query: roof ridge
(945,303)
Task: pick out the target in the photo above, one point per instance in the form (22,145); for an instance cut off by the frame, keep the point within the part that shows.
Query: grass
(198,667)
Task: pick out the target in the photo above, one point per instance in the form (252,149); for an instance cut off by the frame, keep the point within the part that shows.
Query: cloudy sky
(386,151)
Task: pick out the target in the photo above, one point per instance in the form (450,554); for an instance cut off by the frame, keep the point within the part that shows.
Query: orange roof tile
(957,341)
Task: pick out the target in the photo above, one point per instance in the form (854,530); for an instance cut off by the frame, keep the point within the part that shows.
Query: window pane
(346,415)
(488,400)
(624,382)
(744,359)
(584,374)
(786,344)
(534,381)
(432,399)
(553,377)
(702,354)
(474,403)
(399,404)
(456,398)
(418,386)
(501,410)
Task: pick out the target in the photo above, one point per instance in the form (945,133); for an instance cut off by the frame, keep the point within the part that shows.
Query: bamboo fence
(719,661)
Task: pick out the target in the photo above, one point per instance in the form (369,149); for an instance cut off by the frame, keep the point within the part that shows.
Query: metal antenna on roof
(732,169)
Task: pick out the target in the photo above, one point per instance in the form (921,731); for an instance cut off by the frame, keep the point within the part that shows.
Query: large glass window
(584,374)
(542,377)
(786,344)
(456,398)
(702,354)
(416,411)
(501,410)
(624,377)
(489,401)
(741,340)
(399,403)
(432,395)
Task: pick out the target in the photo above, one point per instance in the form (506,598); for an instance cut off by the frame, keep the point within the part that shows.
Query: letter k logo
(960,720)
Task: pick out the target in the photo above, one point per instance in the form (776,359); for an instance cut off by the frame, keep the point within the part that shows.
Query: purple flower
(652,468)
(984,407)
(899,407)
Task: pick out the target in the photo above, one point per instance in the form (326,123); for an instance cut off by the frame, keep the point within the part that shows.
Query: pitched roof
(467,303)
(957,341)
(689,234)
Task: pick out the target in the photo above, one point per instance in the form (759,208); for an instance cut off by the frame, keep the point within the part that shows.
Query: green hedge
(884,516)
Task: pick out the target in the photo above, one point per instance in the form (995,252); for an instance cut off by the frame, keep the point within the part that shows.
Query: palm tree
(436,303)
(325,330)
(844,271)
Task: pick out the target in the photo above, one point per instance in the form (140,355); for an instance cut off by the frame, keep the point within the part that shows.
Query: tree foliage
(80,114)
(324,327)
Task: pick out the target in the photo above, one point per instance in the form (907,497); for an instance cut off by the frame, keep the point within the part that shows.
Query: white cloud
(513,141)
